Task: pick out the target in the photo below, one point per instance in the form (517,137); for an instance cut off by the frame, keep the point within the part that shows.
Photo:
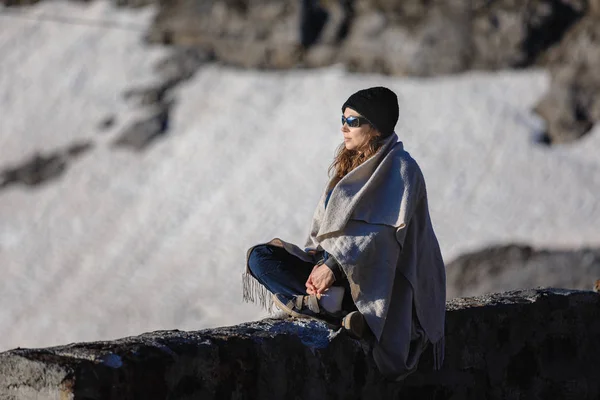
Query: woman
(372,257)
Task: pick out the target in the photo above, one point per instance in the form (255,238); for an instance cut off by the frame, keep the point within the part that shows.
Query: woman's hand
(320,279)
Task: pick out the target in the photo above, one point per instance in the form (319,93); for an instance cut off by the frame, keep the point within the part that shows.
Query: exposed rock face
(157,99)
(41,168)
(518,267)
(514,345)
(572,107)
(415,37)
(412,37)
(257,34)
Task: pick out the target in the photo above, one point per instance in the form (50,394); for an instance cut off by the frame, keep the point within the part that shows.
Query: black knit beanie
(377,104)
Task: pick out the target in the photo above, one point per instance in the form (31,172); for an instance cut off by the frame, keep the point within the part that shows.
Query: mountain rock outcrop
(413,37)
(517,266)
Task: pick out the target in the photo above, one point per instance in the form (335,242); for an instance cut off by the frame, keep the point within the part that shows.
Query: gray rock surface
(41,168)
(538,343)
(157,100)
(571,107)
(517,266)
(413,37)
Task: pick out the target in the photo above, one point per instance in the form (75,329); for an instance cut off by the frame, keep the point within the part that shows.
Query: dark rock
(417,37)
(183,64)
(571,107)
(78,149)
(526,344)
(142,133)
(37,169)
(121,3)
(131,3)
(107,123)
(18,3)
(239,33)
(517,267)
(541,138)
(509,34)
(313,18)
(147,96)
(42,168)
(411,37)
(414,37)
(173,70)
(440,37)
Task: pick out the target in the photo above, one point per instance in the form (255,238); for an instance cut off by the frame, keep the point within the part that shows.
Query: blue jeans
(284,273)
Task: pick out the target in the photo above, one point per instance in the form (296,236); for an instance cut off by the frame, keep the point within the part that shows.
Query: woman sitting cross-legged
(372,262)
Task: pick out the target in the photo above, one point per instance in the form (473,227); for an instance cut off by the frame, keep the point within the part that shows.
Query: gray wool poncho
(378,228)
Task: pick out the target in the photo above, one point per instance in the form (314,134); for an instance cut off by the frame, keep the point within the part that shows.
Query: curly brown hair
(346,160)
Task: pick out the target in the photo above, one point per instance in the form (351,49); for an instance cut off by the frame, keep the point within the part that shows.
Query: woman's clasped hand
(320,279)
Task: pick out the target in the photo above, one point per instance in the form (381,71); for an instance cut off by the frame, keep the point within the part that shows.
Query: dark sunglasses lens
(353,122)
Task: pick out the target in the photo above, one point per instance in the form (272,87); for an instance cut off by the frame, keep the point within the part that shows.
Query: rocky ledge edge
(538,343)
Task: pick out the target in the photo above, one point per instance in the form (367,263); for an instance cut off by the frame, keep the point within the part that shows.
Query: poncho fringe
(253,291)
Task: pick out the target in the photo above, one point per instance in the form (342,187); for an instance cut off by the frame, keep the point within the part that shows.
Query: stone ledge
(539,343)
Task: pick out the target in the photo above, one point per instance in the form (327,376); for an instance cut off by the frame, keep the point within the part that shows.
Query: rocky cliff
(539,343)
(518,266)
(413,37)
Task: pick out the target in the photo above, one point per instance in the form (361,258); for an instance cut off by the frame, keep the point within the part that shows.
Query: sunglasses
(354,122)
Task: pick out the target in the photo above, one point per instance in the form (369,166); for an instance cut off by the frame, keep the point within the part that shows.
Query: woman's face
(355,138)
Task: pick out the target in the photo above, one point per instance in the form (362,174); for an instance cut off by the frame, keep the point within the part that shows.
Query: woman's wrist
(335,267)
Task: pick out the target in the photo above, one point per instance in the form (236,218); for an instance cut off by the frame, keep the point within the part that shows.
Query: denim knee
(258,262)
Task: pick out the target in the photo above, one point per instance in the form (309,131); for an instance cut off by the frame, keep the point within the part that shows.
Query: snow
(124,243)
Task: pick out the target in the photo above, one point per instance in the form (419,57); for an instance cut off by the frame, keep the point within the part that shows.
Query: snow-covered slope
(130,242)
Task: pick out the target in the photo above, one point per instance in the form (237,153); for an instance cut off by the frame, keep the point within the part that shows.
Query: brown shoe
(298,306)
(355,325)
(306,306)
